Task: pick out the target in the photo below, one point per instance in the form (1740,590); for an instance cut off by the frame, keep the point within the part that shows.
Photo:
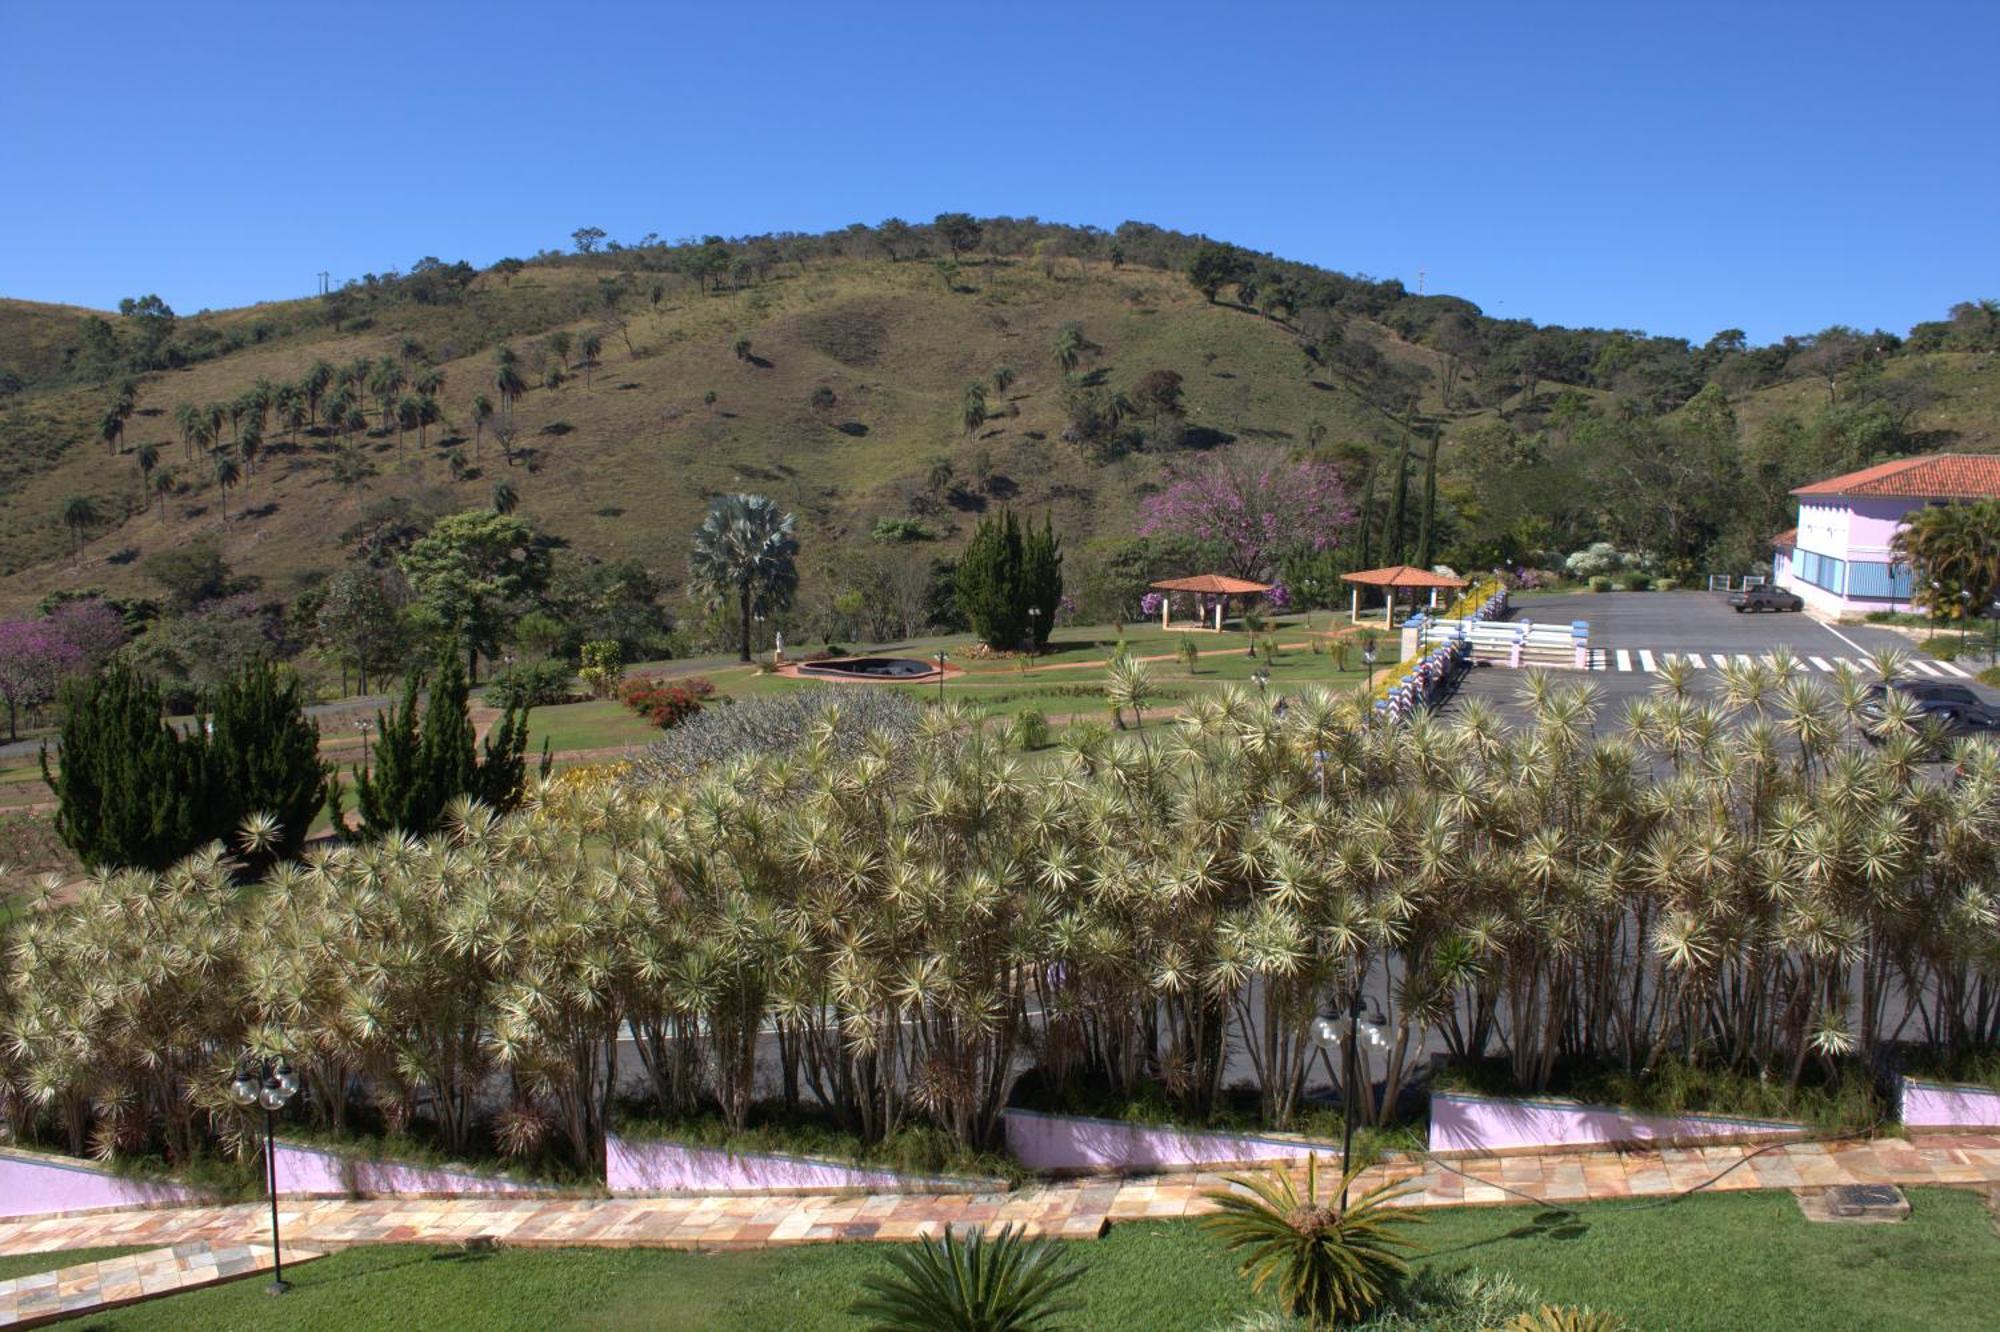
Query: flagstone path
(46,1296)
(1078,1209)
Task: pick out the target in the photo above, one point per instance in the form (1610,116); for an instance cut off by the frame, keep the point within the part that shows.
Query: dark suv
(1765,598)
(1960,711)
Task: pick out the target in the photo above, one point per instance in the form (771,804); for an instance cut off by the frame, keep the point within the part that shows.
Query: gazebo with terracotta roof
(1389,580)
(1220,586)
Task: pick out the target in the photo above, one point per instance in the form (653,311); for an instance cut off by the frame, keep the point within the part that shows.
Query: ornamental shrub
(1600,583)
(532,684)
(665,703)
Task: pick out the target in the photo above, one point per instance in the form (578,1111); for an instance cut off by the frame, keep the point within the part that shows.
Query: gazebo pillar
(1389,607)
(1354,613)
(1166,610)
(1220,602)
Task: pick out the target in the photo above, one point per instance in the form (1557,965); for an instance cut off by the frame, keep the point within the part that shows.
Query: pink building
(1840,557)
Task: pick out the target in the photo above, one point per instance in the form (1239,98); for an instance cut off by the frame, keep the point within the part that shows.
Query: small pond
(870,668)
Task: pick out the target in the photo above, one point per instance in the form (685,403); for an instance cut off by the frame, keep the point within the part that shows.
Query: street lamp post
(1034,633)
(364,726)
(1328,1034)
(1368,660)
(271,1084)
(940,666)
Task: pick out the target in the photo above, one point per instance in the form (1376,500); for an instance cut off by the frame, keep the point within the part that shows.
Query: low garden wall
(1075,1144)
(648,1165)
(317,1172)
(1949,1105)
(32,1184)
(1466,1124)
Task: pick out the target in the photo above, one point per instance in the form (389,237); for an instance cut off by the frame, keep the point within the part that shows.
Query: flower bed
(323,1172)
(664,1166)
(1930,1104)
(35,1184)
(1081,1144)
(1463,1123)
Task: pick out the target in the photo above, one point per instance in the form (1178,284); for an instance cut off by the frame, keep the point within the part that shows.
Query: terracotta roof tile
(1213,584)
(1401,575)
(1936,476)
(1788,537)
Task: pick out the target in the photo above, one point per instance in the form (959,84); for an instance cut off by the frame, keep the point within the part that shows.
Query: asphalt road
(1631,632)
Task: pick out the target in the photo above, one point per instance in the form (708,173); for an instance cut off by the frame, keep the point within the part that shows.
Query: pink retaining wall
(1077,1143)
(1928,1104)
(35,1185)
(312,1172)
(1463,1123)
(651,1166)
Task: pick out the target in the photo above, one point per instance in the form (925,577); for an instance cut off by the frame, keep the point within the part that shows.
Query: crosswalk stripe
(1645,660)
(1624,660)
(1950,669)
(1924,666)
(1694,659)
(1742,659)
(1820,663)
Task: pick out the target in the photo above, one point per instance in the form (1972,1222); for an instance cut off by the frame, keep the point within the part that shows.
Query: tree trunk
(745,604)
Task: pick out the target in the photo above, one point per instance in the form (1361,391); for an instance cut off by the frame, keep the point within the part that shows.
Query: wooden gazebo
(1390,580)
(1220,586)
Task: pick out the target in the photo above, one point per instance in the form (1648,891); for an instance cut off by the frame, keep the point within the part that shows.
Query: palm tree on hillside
(163,486)
(79,514)
(745,550)
(187,417)
(482,412)
(506,499)
(148,457)
(227,474)
(111,429)
(507,381)
(590,346)
(385,385)
(318,379)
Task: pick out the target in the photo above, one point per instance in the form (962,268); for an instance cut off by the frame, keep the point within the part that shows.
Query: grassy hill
(621,460)
(623,465)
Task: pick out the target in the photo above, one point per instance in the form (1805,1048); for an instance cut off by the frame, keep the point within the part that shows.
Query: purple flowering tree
(34,659)
(95,629)
(1253,502)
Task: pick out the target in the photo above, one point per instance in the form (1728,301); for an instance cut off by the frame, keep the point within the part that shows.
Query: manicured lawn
(599,724)
(1744,1261)
(27,1264)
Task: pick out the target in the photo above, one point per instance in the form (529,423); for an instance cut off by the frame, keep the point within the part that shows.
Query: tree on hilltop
(958,230)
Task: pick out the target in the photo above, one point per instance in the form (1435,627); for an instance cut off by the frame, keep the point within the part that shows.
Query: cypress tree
(1041,578)
(419,767)
(1427,525)
(130,791)
(1368,517)
(1399,498)
(262,757)
(988,584)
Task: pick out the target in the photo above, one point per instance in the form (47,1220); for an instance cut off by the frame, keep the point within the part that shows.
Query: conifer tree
(1427,523)
(1041,579)
(421,765)
(989,583)
(129,791)
(262,757)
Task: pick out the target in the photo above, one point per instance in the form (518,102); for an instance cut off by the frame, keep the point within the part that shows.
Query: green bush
(1637,582)
(1942,648)
(1600,583)
(1031,731)
(1002,1282)
(529,685)
(1990,676)
(1667,585)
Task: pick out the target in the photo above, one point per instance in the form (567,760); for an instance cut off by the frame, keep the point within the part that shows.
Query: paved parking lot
(1632,633)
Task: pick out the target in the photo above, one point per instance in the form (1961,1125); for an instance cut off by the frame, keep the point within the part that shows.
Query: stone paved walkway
(46,1296)
(1079,1209)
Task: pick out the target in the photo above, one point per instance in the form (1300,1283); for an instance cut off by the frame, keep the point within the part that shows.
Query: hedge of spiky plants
(1733,880)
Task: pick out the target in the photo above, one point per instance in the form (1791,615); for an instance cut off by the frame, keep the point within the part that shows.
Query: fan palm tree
(744,551)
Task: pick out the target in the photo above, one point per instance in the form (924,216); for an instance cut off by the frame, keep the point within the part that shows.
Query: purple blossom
(34,659)
(1254,502)
(96,630)
(1150,603)
(1279,597)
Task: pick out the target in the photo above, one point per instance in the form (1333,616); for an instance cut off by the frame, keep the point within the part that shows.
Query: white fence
(1732,583)
(1516,643)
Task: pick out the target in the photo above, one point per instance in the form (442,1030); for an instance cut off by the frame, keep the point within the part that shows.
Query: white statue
(778,651)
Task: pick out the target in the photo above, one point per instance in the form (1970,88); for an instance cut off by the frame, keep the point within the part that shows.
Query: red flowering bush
(665,703)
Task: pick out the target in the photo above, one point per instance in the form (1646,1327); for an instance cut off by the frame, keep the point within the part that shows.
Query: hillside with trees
(284,470)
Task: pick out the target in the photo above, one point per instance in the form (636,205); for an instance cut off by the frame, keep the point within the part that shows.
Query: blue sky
(1675,167)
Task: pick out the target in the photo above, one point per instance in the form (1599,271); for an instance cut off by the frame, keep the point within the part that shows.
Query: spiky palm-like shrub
(1567,1318)
(1002,1284)
(1330,1266)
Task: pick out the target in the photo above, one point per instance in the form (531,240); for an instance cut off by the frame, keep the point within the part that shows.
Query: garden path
(90,1287)
(1076,1209)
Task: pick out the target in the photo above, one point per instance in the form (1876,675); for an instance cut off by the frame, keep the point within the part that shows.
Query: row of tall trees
(1009,582)
(918,913)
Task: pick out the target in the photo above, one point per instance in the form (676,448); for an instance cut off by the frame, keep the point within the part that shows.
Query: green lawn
(599,724)
(27,1264)
(1746,1261)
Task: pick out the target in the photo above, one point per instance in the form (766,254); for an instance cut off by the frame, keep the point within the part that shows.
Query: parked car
(1765,598)
(1956,709)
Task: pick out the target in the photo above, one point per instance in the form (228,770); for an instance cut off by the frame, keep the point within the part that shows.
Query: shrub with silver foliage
(775,725)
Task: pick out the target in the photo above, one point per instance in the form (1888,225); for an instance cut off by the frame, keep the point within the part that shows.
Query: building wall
(1843,563)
